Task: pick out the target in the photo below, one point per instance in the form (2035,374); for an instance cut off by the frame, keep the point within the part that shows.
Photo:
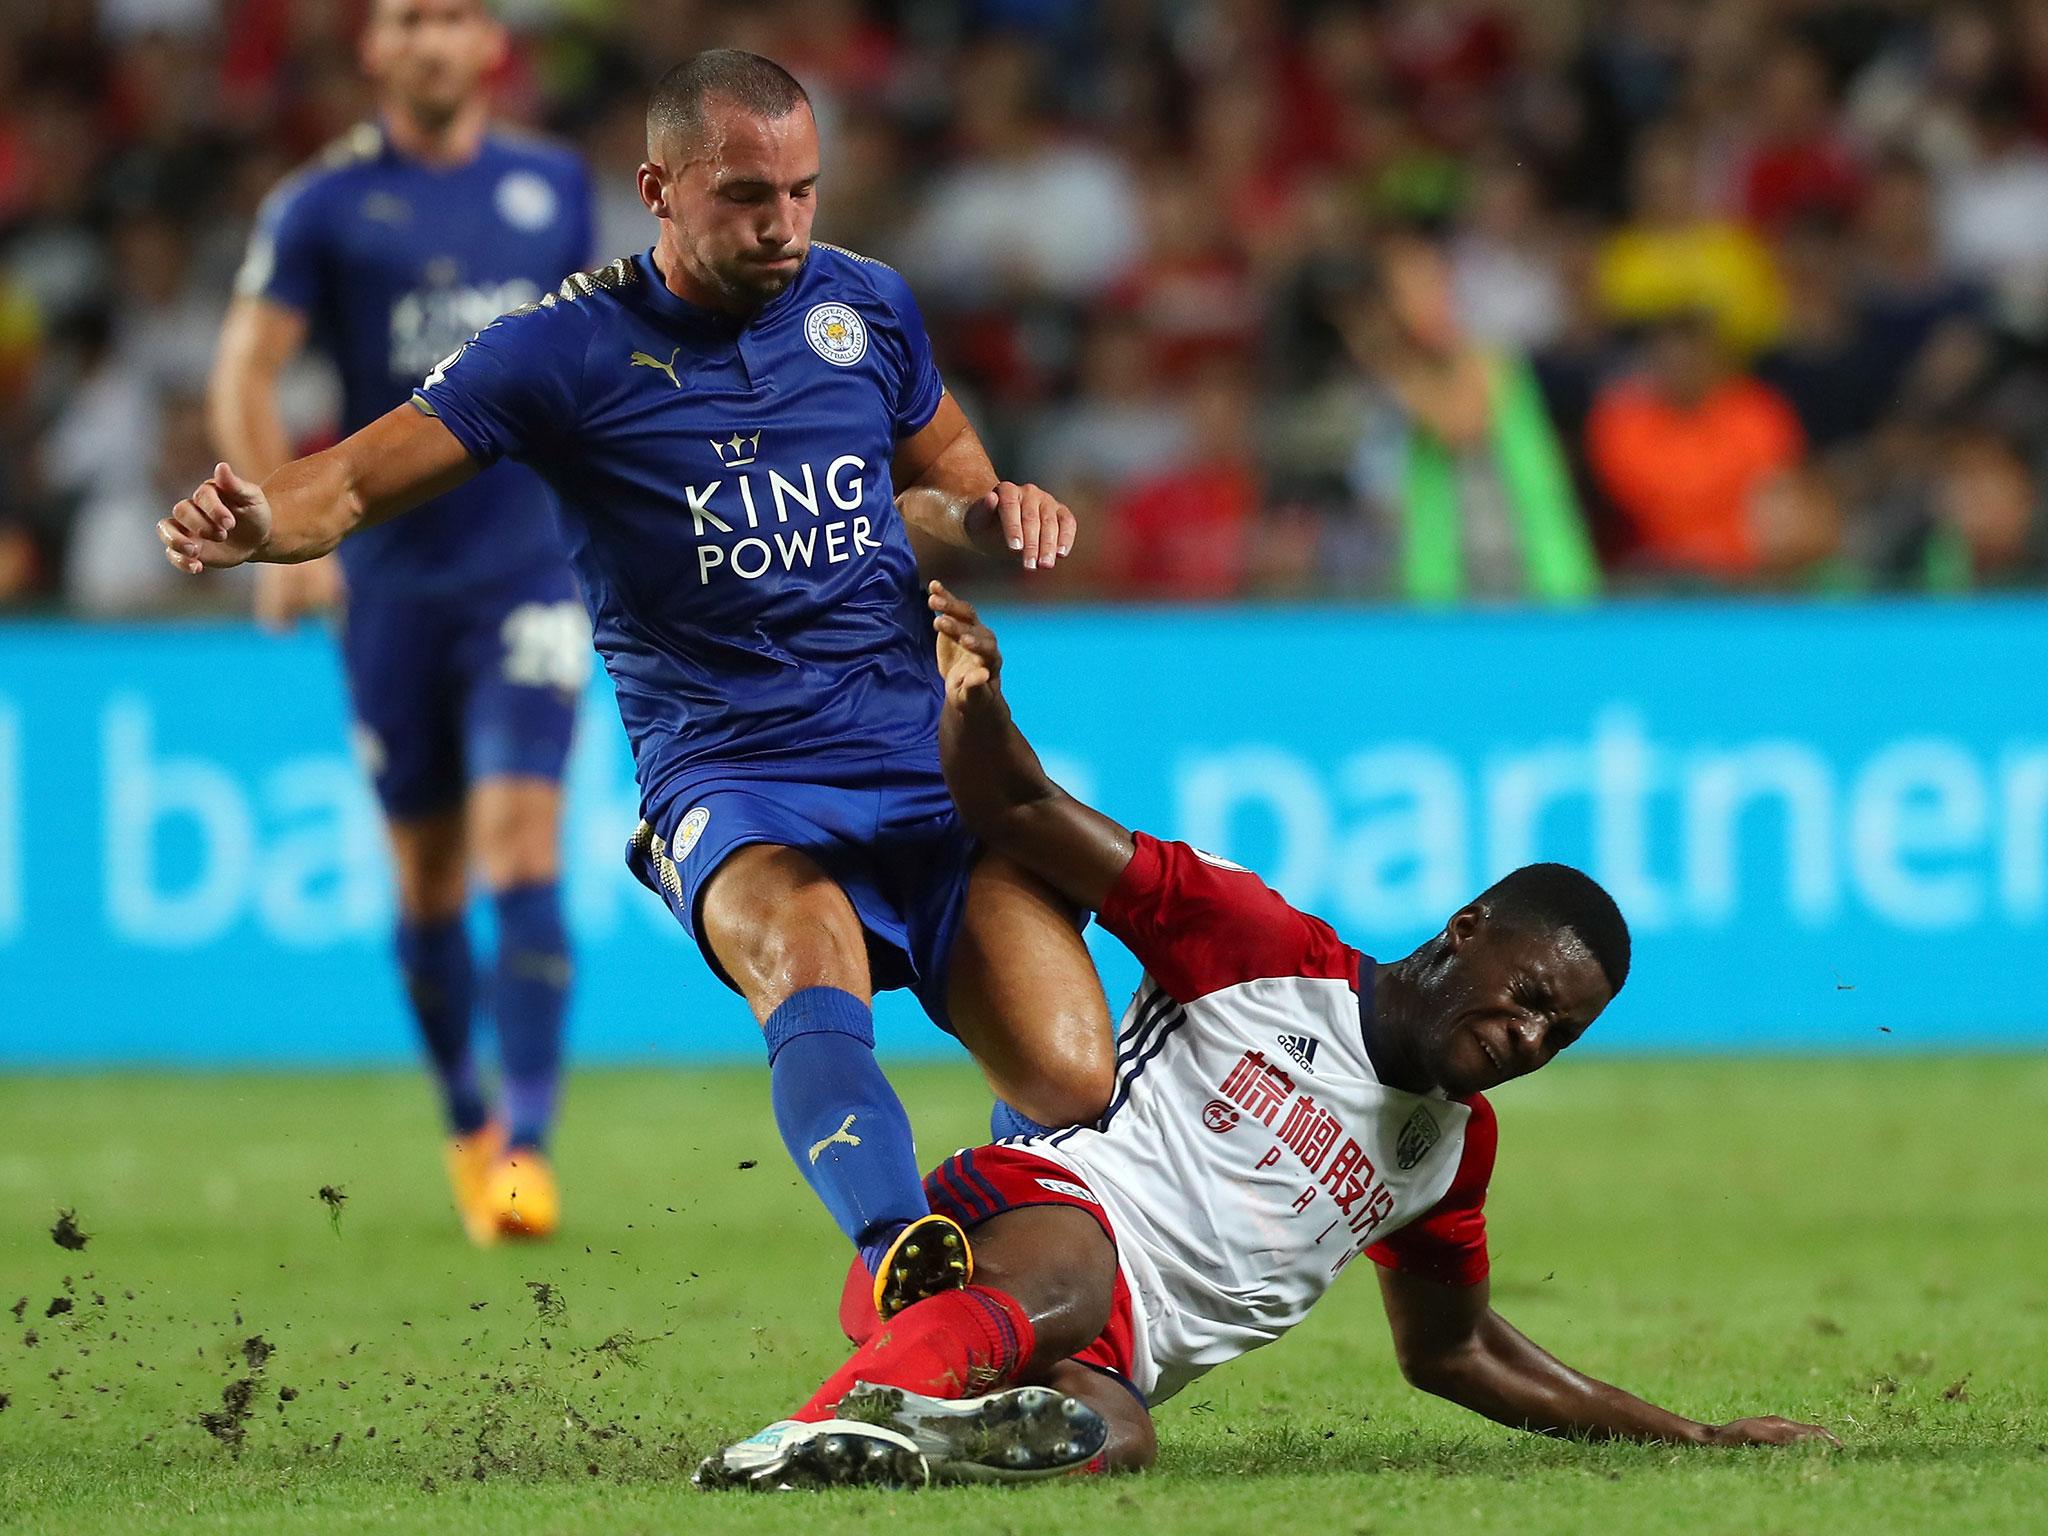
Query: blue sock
(434,958)
(842,1122)
(1003,1121)
(530,1000)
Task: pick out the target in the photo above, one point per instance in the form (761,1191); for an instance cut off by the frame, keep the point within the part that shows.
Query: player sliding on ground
(1283,1105)
(738,426)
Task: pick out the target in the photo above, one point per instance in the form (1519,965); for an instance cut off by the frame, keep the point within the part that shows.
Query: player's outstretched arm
(399,460)
(996,779)
(1451,1343)
(946,488)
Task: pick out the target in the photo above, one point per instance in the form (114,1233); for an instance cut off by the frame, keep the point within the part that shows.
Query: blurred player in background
(742,427)
(1285,1104)
(463,637)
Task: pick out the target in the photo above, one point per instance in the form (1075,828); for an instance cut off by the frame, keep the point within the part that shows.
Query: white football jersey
(1250,1152)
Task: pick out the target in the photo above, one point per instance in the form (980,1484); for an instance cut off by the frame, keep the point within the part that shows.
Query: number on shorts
(547,645)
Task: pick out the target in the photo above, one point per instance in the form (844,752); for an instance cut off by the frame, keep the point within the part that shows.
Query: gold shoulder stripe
(826,245)
(612,277)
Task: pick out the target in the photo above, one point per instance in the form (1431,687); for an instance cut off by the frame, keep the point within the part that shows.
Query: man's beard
(433,112)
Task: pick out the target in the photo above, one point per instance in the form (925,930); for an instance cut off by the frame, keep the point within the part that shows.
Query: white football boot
(834,1453)
(1016,1436)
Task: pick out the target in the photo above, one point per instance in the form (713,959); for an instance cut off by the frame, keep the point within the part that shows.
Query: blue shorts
(452,688)
(885,831)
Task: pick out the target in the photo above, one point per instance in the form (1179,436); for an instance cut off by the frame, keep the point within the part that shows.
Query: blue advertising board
(1827,824)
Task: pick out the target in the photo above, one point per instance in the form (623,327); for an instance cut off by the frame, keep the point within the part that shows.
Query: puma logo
(648,360)
(844,1136)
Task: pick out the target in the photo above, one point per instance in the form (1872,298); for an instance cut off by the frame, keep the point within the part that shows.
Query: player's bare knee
(1133,1445)
(778,925)
(1070,1083)
(429,870)
(1067,1316)
(1058,1265)
(523,856)
(514,828)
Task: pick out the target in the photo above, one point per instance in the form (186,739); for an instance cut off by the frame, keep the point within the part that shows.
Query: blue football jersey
(394,263)
(726,495)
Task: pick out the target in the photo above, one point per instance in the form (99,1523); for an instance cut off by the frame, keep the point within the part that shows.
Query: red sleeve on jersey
(1448,1243)
(1199,926)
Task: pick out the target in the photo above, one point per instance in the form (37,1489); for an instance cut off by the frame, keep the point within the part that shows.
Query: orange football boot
(471,1159)
(521,1200)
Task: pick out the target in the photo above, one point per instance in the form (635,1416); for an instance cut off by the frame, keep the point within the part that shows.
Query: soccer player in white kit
(1283,1104)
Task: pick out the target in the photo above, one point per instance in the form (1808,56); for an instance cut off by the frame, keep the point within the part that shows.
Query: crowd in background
(1418,300)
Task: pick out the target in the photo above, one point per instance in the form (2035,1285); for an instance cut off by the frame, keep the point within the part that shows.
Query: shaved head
(677,112)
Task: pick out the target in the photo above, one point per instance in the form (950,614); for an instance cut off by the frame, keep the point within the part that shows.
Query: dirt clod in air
(229,1424)
(622,1347)
(257,1350)
(65,1232)
(18,1308)
(547,1299)
(334,1197)
(58,1306)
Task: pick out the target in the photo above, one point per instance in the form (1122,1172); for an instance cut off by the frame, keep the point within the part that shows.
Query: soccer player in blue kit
(742,426)
(464,639)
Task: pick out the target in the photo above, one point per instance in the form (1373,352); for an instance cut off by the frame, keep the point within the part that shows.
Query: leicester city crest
(1417,1137)
(691,829)
(836,334)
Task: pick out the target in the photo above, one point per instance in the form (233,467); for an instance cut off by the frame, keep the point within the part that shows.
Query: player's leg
(950,1372)
(1044,1281)
(1024,999)
(523,655)
(407,728)
(430,873)
(787,937)
(1132,1445)
(515,828)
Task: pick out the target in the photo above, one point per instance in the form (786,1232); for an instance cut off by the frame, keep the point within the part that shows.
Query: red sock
(858,1319)
(960,1344)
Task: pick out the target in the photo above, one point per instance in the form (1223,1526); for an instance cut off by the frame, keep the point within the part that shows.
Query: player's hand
(1768,1430)
(1034,522)
(221,524)
(969,659)
(287,593)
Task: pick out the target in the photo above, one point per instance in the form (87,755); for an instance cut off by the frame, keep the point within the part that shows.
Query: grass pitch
(1860,1243)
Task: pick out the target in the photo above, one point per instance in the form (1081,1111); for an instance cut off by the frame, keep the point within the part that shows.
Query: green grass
(1860,1243)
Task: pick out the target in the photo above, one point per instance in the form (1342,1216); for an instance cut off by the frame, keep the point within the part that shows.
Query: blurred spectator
(1903,290)
(1985,526)
(1506,262)
(1027,212)
(1676,256)
(1187,530)
(110,572)
(1796,529)
(1797,162)
(1685,447)
(1472,465)
(1994,209)
(1827,364)
(1119,427)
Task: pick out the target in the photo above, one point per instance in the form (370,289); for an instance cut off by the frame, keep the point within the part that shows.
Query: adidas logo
(1302,1048)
